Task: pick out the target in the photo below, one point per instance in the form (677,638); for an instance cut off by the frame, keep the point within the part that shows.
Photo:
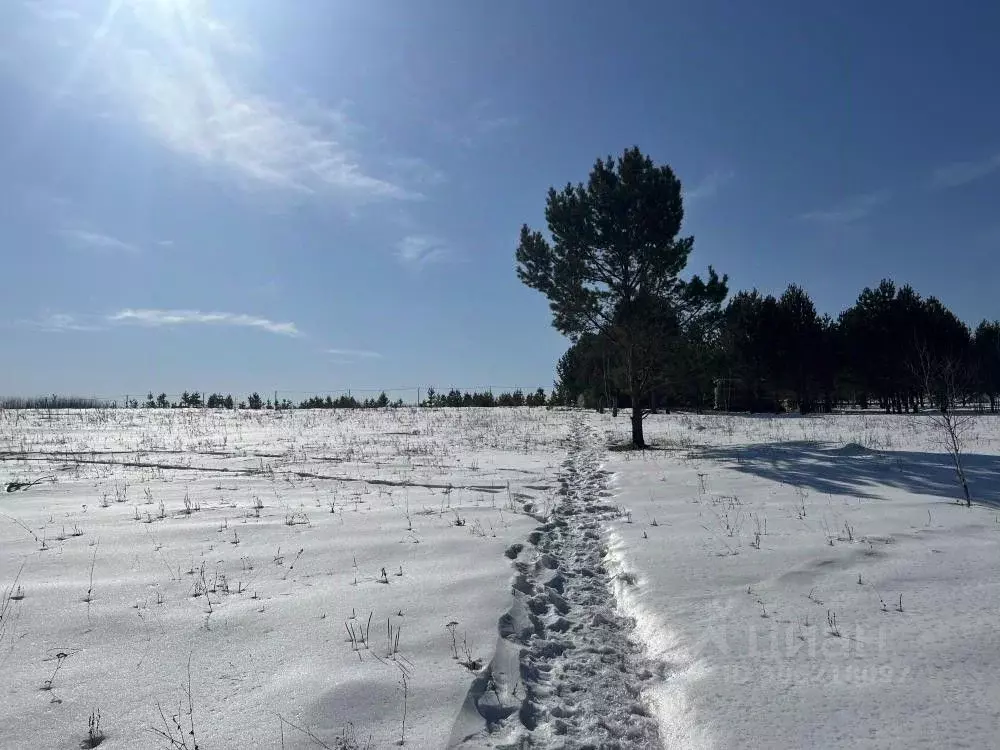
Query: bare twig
(174,731)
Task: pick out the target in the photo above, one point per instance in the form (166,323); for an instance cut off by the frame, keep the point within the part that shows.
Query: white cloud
(963,172)
(182,75)
(149,317)
(96,241)
(62,322)
(360,353)
(709,185)
(419,250)
(851,210)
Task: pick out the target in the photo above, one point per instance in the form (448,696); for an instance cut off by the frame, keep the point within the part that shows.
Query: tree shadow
(855,470)
(627,447)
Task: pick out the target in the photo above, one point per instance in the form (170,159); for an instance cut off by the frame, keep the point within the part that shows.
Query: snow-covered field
(498,577)
(249,544)
(811,582)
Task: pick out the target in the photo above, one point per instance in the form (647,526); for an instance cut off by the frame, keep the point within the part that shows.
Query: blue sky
(313,195)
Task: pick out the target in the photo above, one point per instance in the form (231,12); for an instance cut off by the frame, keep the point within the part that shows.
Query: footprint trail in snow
(568,670)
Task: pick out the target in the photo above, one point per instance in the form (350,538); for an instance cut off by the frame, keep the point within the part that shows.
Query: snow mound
(854,450)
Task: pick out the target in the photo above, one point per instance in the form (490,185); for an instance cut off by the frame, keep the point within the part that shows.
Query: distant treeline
(453,398)
(892,349)
(54,402)
(255,402)
(195,400)
(456,398)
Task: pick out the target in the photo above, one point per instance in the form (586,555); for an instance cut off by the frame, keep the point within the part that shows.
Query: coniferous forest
(892,349)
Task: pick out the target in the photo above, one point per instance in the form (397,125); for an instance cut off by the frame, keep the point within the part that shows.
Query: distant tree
(346,402)
(887,334)
(749,368)
(431,394)
(826,361)
(986,360)
(947,339)
(799,334)
(879,336)
(228,401)
(536,399)
(383,400)
(484,399)
(162,402)
(191,400)
(568,384)
(771,351)
(254,401)
(696,356)
(150,401)
(585,371)
(613,259)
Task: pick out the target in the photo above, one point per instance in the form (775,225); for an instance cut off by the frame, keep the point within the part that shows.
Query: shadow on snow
(855,470)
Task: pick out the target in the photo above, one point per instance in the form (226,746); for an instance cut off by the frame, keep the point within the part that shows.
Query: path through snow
(568,670)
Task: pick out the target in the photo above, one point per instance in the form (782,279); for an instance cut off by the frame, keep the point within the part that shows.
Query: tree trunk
(637,439)
(635,393)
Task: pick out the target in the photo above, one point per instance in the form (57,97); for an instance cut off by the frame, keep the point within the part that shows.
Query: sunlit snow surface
(754,569)
(299,570)
(853,512)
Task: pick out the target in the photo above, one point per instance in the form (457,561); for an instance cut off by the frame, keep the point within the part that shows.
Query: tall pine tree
(611,267)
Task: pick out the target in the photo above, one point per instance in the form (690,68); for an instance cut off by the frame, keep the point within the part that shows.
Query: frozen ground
(737,587)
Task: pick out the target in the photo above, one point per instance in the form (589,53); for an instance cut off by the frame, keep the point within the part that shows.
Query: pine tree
(986,358)
(799,334)
(613,259)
